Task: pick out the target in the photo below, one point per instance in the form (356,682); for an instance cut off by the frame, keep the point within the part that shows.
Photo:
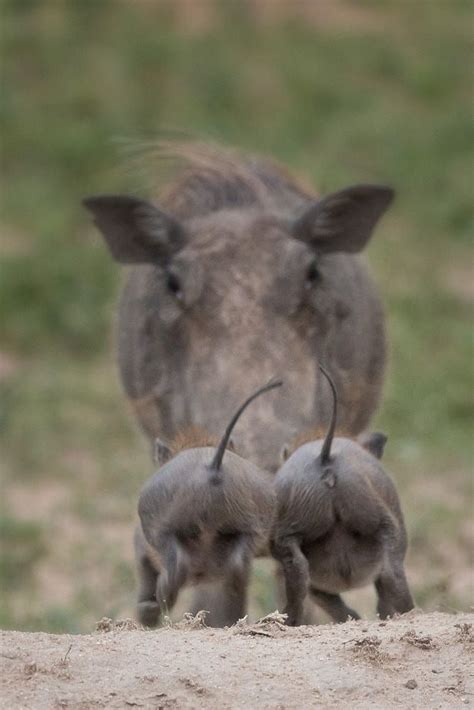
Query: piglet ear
(343,221)
(135,231)
(284,453)
(161,452)
(374,443)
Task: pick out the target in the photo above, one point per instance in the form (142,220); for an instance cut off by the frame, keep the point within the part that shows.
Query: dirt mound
(416,661)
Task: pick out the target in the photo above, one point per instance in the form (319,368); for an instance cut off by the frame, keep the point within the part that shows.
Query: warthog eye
(313,274)
(188,535)
(173,285)
(227,536)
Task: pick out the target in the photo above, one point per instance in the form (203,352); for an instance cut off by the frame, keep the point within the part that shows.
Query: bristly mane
(193,437)
(309,435)
(209,178)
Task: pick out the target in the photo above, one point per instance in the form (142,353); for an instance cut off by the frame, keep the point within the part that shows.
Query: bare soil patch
(417,661)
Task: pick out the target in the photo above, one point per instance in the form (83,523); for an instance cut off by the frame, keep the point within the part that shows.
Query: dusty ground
(417,661)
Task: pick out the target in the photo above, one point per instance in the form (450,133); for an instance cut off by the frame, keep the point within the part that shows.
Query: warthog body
(239,267)
(203,517)
(339,526)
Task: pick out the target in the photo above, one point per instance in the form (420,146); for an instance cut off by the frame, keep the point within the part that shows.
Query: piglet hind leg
(333,605)
(148,609)
(173,577)
(236,581)
(394,596)
(311,613)
(295,567)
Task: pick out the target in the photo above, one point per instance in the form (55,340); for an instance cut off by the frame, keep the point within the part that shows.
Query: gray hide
(241,273)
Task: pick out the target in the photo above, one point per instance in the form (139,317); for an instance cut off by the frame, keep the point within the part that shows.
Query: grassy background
(341,91)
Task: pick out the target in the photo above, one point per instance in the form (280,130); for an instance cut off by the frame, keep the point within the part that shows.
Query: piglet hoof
(351,616)
(291,619)
(148,613)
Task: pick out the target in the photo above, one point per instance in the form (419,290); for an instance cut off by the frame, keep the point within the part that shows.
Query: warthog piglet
(339,526)
(203,516)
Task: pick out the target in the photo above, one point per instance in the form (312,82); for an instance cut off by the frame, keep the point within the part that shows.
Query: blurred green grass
(341,92)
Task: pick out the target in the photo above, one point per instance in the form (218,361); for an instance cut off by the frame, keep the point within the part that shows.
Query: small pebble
(412,684)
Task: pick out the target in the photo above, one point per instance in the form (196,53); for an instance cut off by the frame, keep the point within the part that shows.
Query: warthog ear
(161,452)
(343,221)
(374,443)
(136,232)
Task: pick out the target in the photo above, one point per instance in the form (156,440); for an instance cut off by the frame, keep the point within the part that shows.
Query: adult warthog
(242,273)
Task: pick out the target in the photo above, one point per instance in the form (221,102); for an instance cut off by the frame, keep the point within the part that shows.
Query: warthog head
(237,274)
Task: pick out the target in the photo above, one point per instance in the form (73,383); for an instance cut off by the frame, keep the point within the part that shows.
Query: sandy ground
(415,661)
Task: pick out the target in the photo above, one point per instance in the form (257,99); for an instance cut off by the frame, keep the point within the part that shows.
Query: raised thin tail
(216,462)
(326,450)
